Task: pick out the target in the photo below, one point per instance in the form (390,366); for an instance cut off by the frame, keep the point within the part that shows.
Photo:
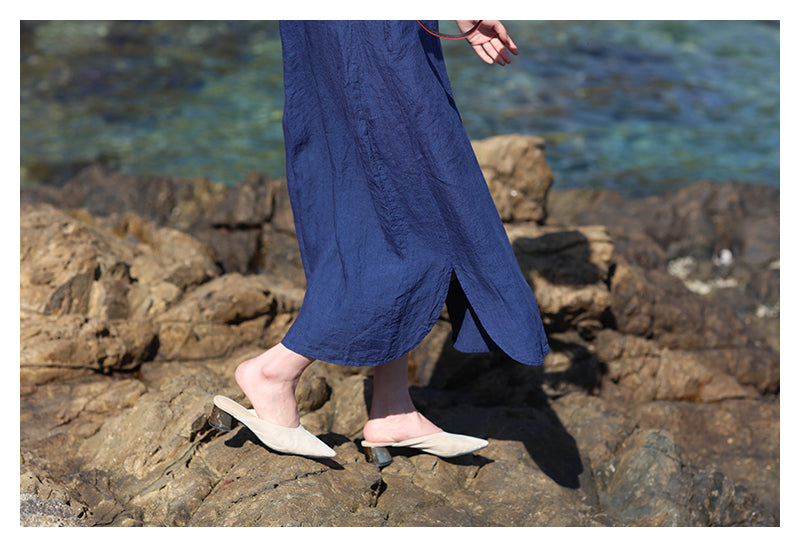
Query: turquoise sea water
(636,106)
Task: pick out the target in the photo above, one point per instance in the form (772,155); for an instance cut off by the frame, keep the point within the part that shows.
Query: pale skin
(269,380)
(491,41)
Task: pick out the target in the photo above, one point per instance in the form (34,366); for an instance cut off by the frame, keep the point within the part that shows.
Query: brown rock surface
(568,270)
(657,405)
(517,175)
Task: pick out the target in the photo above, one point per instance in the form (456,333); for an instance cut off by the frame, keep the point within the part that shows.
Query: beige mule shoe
(289,440)
(442,444)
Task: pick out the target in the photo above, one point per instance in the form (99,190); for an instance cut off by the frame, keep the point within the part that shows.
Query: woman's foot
(398,427)
(393,417)
(269,381)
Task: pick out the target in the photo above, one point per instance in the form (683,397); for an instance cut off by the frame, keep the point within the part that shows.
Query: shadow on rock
(568,270)
(562,257)
(495,397)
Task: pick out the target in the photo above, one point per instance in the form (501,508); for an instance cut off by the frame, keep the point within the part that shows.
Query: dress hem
(443,290)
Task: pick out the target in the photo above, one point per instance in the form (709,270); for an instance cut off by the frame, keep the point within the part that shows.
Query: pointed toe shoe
(442,444)
(288,440)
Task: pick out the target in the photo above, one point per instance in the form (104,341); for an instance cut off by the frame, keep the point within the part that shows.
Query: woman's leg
(269,381)
(393,416)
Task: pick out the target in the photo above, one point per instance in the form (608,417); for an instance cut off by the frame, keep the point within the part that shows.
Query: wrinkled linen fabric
(393,215)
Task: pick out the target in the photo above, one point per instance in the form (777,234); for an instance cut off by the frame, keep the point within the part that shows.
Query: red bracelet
(453,36)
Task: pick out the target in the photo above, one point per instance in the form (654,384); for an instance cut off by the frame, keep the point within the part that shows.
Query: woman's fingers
(502,34)
(491,50)
(494,52)
(493,44)
(482,53)
(502,51)
(512,46)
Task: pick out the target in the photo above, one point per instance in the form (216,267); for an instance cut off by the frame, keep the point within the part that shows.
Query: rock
(751,366)
(172,201)
(517,175)
(525,496)
(313,391)
(213,479)
(568,270)
(89,289)
(653,304)
(698,220)
(34,511)
(73,408)
(228,221)
(282,218)
(579,206)
(150,470)
(291,491)
(712,217)
(350,401)
(234,230)
(656,406)
(231,298)
(598,427)
(649,486)
(94,488)
(50,346)
(60,259)
(642,371)
(653,486)
(721,240)
(717,501)
(740,438)
(47,501)
(215,318)
(247,204)
(496,379)
(422,490)
(235,249)
(103,269)
(170,256)
(280,256)
(529,448)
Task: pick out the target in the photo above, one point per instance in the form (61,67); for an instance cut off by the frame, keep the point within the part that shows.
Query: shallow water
(640,107)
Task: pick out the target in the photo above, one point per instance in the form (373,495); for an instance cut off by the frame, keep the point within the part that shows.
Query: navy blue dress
(392,212)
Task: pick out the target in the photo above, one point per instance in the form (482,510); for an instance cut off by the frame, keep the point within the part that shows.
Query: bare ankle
(276,365)
(398,427)
(269,381)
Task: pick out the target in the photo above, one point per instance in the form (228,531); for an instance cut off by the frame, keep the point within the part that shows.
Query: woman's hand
(491,41)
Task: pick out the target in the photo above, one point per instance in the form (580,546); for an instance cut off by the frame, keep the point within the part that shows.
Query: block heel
(219,419)
(378,455)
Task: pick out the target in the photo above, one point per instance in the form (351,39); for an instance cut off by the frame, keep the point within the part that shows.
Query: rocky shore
(659,404)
